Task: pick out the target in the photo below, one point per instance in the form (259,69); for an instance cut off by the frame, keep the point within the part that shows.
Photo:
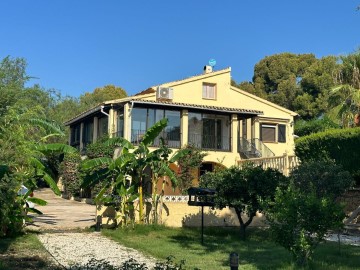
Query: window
(268,133)
(75,136)
(88,132)
(282,133)
(142,119)
(209,91)
(103,126)
(209,131)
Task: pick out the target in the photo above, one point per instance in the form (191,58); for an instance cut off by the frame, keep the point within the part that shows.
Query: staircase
(253,149)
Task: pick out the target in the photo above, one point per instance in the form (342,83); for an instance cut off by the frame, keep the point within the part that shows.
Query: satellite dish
(212,62)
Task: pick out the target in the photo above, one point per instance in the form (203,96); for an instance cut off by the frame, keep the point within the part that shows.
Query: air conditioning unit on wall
(164,93)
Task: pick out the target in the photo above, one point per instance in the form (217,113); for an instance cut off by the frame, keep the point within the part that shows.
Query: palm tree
(345,97)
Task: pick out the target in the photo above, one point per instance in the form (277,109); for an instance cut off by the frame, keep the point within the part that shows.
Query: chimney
(207,69)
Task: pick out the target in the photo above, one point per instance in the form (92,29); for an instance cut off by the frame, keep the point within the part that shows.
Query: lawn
(24,252)
(258,252)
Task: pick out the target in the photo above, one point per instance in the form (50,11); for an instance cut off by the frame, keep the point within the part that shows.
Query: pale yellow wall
(190,91)
(179,214)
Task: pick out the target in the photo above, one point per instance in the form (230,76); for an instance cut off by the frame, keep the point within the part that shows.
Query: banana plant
(131,162)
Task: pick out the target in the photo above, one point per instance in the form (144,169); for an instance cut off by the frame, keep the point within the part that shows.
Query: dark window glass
(138,124)
(88,132)
(267,133)
(75,135)
(282,133)
(103,126)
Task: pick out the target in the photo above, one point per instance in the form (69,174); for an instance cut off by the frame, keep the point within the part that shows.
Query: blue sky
(76,46)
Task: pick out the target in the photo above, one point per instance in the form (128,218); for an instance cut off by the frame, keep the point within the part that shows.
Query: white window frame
(209,91)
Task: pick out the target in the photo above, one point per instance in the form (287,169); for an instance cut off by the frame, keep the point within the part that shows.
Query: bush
(339,145)
(11,210)
(69,172)
(187,164)
(300,216)
(130,264)
(100,149)
(299,221)
(325,178)
(304,128)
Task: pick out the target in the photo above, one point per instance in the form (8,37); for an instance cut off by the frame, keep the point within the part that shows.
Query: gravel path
(79,248)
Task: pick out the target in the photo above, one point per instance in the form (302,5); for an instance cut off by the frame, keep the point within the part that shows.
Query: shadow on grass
(260,252)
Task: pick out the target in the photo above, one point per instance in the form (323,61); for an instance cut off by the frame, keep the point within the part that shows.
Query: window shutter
(282,133)
(268,133)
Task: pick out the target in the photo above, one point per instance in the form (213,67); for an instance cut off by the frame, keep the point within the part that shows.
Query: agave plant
(132,162)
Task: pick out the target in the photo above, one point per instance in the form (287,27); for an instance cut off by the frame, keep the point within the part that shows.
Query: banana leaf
(54,148)
(154,131)
(37,201)
(96,162)
(34,210)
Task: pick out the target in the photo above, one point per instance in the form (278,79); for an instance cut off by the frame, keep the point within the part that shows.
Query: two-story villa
(204,110)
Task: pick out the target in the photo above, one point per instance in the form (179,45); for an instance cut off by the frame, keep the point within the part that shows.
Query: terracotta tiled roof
(197,106)
(147,91)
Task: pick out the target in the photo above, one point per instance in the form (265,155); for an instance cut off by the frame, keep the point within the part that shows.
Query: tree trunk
(243,225)
(141,202)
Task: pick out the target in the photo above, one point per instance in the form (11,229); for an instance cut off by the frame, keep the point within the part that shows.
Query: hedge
(340,145)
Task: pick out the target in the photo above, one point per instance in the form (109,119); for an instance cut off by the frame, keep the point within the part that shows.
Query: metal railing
(248,149)
(210,142)
(262,148)
(171,139)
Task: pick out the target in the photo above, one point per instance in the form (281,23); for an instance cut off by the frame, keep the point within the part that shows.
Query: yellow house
(204,110)
(229,124)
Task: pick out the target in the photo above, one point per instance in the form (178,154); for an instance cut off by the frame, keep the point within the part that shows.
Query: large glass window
(142,119)
(120,123)
(88,132)
(103,126)
(209,131)
(75,136)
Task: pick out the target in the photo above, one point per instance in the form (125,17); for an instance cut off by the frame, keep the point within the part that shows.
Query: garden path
(61,214)
(78,249)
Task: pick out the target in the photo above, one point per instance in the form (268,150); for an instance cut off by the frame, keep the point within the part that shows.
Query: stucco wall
(179,214)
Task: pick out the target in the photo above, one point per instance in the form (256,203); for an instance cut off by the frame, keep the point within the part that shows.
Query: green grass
(257,252)
(23,252)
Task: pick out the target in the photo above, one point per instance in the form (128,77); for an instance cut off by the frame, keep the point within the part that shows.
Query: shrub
(339,145)
(302,214)
(11,211)
(304,128)
(130,264)
(69,171)
(324,177)
(100,149)
(187,164)
(299,221)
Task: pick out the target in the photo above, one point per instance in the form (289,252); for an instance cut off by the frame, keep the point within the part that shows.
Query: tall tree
(345,95)
(101,94)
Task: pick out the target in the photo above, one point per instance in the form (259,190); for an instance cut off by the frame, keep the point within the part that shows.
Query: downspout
(131,108)
(102,110)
